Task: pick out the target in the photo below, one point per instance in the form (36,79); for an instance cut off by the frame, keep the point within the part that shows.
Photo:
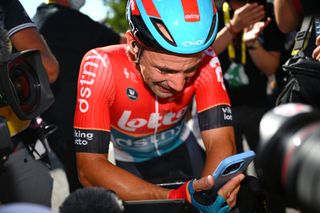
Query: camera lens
(25,83)
(288,156)
(22,87)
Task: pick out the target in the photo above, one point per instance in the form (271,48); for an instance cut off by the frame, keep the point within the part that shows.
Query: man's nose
(177,81)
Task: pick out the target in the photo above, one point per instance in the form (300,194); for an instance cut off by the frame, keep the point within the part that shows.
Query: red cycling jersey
(113,103)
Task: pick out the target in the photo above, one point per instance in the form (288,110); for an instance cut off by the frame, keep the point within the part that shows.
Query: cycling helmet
(192,25)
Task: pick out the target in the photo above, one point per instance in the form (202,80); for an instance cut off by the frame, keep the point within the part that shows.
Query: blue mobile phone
(226,170)
(231,167)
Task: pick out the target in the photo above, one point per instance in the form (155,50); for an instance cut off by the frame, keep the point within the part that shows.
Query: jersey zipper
(154,138)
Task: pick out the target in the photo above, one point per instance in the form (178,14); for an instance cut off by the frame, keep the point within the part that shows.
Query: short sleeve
(15,17)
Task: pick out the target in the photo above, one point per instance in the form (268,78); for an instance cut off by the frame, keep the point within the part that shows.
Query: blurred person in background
(249,49)
(289,15)
(69,34)
(22,178)
(301,17)
(249,46)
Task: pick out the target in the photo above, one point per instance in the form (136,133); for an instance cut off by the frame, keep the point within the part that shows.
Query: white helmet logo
(192,43)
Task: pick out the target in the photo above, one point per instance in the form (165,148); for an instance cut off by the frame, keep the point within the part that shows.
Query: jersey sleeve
(15,17)
(96,92)
(212,100)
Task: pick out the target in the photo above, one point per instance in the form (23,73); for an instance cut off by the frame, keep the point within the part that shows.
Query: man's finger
(230,186)
(316,53)
(233,195)
(203,183)
(318,40)
(232,203)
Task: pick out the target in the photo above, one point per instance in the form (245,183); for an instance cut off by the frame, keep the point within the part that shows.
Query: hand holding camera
(24,87)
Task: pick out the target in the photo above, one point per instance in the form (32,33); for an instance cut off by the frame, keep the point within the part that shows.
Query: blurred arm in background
(24,35)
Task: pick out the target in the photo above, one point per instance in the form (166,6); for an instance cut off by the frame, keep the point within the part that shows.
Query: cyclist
(137,96)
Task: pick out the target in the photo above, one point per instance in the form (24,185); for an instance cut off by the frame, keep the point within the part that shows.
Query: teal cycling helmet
(191,25)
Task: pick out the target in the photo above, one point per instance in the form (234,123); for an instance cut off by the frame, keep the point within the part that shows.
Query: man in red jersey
(137,96)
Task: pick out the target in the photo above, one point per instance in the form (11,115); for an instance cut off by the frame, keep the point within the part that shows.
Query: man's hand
(251,33)
(316,51)
(225,200)
(247,15)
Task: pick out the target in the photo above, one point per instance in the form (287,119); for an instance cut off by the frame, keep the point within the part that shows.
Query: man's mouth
(165,89)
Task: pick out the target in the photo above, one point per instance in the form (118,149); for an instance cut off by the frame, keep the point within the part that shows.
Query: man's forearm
(224,37)
(219,144)
(95,170)
(287,18)
(214,157)
(271,61)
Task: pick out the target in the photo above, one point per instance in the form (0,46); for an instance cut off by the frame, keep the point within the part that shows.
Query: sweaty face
(165,74)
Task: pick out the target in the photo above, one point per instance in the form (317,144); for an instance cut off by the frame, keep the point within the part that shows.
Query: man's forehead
(178,67)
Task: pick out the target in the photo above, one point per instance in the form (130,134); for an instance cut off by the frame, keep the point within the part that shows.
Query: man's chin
(164,95)
(161,94)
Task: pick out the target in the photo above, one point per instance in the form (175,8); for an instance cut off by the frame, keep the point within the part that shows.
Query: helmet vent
(164,32)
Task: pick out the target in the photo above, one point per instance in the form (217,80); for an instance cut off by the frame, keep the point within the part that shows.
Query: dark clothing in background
(69,34)
(254,94)
(15,17)
(22,178)
(311,7)
(249,100)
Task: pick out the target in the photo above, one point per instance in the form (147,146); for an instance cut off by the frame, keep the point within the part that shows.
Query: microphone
(5,46)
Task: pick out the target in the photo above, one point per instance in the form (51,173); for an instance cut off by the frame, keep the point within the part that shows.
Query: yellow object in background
(15,125)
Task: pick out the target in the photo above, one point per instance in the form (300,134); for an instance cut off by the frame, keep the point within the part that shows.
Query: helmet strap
(139,53)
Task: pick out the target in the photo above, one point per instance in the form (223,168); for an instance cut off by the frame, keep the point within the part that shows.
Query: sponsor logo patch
(132,94)
(82,138)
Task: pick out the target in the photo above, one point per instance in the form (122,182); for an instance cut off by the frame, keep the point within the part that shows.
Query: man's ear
(132,43)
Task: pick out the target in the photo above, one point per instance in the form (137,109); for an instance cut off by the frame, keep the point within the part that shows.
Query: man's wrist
(234,31)
(253,45)
(180,193)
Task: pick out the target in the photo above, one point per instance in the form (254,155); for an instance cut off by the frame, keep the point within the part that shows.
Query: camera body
(24,92)
(288,156)
(24,89)
(24,85)
(6,146)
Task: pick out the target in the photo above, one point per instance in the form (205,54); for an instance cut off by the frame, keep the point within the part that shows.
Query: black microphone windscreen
(5,46)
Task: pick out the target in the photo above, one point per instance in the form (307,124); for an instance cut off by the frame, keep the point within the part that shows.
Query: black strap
(302,37)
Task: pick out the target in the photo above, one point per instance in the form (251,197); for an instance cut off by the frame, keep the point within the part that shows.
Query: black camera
(24,87)
(6,145)
(288,158)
